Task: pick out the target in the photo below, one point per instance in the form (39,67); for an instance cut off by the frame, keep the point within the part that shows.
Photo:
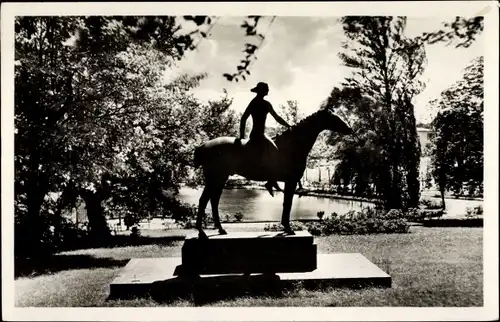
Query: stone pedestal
(143,276)
(243,262)
(248,252)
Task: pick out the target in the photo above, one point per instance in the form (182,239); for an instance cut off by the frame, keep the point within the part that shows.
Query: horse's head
(334,123)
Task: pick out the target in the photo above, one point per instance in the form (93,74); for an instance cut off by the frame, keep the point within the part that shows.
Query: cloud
(299,61)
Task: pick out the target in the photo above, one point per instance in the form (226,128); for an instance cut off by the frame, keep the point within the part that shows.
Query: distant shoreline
(304,192)
(325,194)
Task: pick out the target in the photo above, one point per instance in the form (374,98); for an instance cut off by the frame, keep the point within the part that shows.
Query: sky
(299,60)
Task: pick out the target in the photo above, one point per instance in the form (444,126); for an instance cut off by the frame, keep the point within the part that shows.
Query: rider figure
(258,109)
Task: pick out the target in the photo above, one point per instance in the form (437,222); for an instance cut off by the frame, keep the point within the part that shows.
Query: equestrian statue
(259,158)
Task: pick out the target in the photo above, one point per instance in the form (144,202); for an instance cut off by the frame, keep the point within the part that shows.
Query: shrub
(225,217)
(182,213)
(366,221)
(131,219)
(414,214)
(474,212)
(135,232)
(431,213)
(295,225)
(320,214)
(430,204)
(238,217)
(228,217)
(315,228)
(56,234)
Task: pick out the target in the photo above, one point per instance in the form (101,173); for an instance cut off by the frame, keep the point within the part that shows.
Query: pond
(258,205)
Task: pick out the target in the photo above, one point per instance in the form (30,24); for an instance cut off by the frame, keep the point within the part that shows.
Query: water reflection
(258,205)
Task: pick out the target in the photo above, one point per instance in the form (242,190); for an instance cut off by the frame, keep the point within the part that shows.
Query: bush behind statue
(295,225)
(366,221)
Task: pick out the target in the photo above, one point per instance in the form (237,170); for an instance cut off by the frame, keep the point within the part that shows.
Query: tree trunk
(98,226)
(413,189)
(442,199)
(32,241)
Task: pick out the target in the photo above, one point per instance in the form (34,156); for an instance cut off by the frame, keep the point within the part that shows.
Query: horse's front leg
(214,201)
(287,206)
(205,197)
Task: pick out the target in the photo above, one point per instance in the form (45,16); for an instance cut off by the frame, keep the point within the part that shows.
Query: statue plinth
(248,252)
(243,262)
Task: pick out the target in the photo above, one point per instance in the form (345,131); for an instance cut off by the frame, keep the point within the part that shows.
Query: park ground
(430,267)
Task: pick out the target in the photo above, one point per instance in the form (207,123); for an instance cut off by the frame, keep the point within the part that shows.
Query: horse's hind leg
(202,205)
(214,201)
(287,205)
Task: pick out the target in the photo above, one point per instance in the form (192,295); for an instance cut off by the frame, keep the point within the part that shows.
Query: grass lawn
(430,267)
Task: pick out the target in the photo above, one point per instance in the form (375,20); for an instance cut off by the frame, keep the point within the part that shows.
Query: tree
(457,143)
(462,32)
(85,87)
(386,66)
(217,119)
(290,112)
(359,158)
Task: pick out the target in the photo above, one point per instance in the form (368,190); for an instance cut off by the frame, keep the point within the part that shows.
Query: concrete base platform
(249,252)
(156,276)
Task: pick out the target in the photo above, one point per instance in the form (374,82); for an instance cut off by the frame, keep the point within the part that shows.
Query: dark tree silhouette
(95,119)
(457,141)
(386,66)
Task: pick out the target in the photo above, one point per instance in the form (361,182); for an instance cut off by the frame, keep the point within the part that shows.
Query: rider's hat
(261,87)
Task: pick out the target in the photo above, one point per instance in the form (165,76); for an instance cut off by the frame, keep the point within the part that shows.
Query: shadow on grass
(127,240)
(201,291)
(209,290)
(31,267)
(472,222)
(40,263)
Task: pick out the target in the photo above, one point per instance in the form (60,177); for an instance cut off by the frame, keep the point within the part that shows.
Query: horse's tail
(198,156)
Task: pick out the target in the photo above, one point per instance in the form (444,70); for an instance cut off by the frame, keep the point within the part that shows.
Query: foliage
(320,215)
(457,140)
(96,118)
(180,212)
(431,213)
(290,113)
(238,217)
(383,157)
(423,125)
(135,232)
(367,221)
(79,83)
(218,119)
(414,215)
(131,219)
(462,32)
(295,225)
(250,25)
(430,204)
(231,217)
(58,234)
(474,212)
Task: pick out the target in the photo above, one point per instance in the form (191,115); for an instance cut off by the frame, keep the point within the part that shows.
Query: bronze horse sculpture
(225,156)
